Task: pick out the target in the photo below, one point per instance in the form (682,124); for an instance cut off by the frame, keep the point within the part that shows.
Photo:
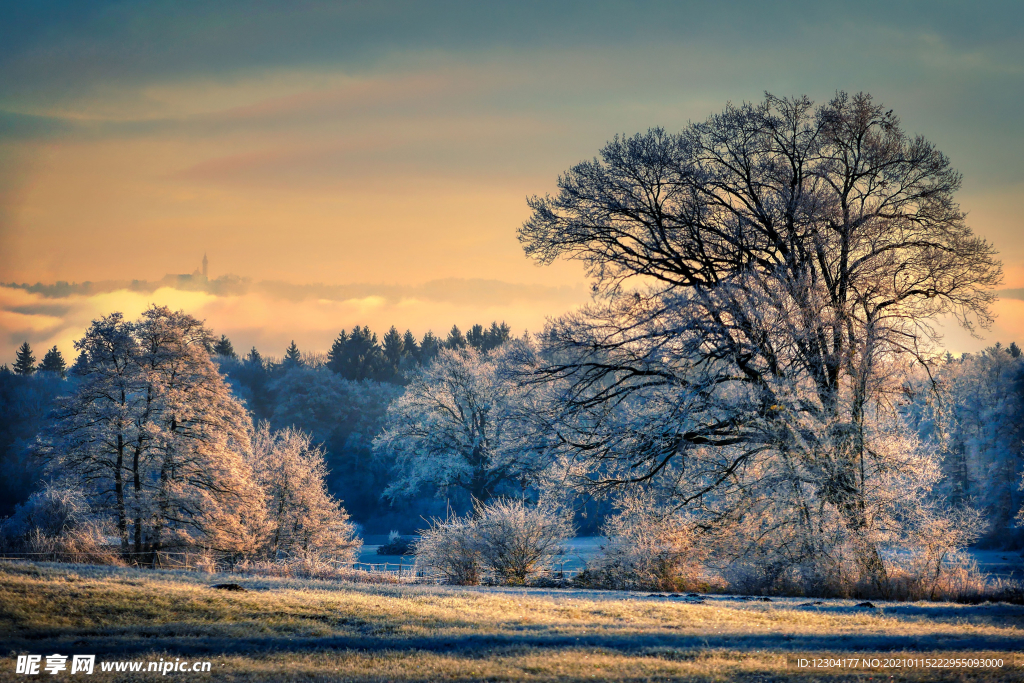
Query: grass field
(284,629)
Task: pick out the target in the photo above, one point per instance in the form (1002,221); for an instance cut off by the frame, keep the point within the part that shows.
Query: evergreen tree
(80,365)
(336,355)
(362,358)
(429,347)
(497,335)
(1013,350)
(254,357)
(393,350)
(476,337)
(26,362)
(455,340)
(409,345)
(4,370)
(223,348)
(53,362)
(292,356)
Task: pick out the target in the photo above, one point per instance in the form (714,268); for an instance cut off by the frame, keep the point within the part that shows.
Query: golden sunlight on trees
(788,263)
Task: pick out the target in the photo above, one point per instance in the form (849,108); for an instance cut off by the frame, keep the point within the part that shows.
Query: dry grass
(291,629)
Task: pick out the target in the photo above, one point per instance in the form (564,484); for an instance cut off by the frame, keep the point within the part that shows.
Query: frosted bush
(508,538)
(517,541)
(450,548)
(57,523)
(648,548)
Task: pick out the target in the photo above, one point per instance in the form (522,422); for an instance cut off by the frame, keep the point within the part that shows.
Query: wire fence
(210,562)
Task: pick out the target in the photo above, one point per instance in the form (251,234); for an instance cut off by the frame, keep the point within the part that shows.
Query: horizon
(432,306)
(59,315)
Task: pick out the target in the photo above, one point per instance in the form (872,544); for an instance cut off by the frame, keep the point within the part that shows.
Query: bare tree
(788,262)
(449,426)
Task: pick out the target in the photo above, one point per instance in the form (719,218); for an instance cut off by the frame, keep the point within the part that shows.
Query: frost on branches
(303,519)
(155,439)
(451,427)
(786,261)
(971,411)
(510,539)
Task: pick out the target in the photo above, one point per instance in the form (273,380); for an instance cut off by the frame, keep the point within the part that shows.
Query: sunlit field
(284,629)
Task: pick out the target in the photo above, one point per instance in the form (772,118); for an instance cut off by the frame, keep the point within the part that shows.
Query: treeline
(339,398)
(358,355)
(973,414)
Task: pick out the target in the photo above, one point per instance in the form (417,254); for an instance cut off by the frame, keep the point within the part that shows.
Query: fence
(192,560)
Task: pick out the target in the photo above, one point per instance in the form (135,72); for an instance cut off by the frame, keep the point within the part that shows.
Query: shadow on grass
(125,644)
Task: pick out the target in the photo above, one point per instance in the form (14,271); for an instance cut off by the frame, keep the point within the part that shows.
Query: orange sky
(393,145)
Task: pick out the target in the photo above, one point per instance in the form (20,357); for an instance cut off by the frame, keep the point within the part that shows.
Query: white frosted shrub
(57,523)
(509,539)
(648,547)
(517,541)
(449,547)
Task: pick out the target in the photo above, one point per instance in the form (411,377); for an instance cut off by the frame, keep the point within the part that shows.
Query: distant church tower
(206,267)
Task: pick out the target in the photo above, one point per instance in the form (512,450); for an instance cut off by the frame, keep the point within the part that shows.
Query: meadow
(291,629)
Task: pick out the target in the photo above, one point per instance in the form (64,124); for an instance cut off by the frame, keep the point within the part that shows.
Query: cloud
(270,315)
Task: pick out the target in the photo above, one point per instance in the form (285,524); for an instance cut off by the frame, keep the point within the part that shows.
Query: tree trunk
(122,514)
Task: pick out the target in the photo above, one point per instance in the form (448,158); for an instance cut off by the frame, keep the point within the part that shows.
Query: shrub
(511,540)
(450,548)
(920,556)
(57,524)
(647,548)
(517,542)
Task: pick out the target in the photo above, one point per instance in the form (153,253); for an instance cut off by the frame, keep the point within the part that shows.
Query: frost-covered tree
(25,362)
(787,262)
(202,483)
(155,438)
(302,518)
(448,428)
(971,410)
(102,425)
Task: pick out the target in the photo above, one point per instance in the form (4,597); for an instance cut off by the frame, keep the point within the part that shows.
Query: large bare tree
(762,279)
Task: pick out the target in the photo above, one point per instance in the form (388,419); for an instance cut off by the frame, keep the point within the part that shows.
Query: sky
(394,144)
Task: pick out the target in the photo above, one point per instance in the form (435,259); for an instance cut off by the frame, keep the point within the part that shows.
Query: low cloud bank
(268,315)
